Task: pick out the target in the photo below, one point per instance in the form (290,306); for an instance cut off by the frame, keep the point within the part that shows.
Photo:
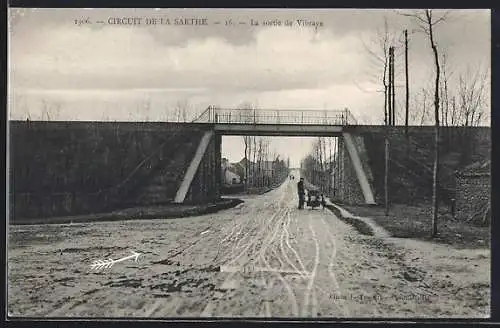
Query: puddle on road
(91,248)
(177,286)
(134,283)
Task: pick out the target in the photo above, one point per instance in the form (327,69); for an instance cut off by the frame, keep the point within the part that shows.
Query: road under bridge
(263,122)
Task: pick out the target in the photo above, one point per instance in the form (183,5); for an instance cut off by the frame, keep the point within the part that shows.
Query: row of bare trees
(463,98)
(319,166)
(263,167)
(457,97)
(50,110)
(463,91)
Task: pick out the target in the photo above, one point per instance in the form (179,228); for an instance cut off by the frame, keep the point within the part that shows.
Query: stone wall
(473,195)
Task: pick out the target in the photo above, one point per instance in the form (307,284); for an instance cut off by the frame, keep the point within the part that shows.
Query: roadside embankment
(139,213)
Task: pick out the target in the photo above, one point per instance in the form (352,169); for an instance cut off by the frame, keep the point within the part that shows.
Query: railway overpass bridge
(163,162)
(262,122)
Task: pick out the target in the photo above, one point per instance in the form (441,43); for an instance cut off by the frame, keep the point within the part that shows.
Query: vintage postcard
(202,163)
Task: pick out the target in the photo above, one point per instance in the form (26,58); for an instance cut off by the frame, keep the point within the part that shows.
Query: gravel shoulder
(262,258)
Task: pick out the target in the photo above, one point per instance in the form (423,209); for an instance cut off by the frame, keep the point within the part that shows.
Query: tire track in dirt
(284,232)
(262,231)
(344,308)
(313,272)
(271,234)
(313,295)
(297,252)
(240,236)
(262,243)
(210,307)
(286,284)
(291,294)
(240,224)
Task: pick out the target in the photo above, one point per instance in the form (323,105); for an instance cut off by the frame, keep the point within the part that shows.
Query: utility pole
(389,105)
(393,106)
(389,123)
(407,100)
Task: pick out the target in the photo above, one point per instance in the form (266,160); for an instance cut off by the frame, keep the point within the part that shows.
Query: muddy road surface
(264,258)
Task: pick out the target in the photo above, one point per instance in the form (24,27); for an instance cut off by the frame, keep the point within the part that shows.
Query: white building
(228,172)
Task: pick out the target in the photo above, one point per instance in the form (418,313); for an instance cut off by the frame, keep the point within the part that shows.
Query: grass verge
(361,226)
(416,222)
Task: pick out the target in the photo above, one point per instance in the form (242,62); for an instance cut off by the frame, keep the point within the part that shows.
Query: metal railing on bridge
(266,116)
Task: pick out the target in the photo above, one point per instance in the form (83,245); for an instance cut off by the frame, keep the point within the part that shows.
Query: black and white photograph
(248,163)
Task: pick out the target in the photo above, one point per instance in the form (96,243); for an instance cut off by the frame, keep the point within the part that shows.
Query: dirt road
(263,258)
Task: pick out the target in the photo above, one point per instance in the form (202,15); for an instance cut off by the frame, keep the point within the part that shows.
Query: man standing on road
(301,192)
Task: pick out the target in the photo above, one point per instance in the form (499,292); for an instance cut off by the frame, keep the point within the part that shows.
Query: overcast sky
(111,72)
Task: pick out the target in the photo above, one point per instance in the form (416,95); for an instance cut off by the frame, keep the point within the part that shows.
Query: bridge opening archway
(273,123)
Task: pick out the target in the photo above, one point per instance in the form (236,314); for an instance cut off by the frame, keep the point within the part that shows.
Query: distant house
(241,167)
(265,169)
(473,191)
(229,173)
(231,178)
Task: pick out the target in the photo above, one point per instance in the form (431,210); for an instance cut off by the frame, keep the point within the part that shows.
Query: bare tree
(445,98)
(274,169)
(260,154)
(180,110)
(424,106)
(50,111)
(463,100)
(407,85)
(254,162)
(21,104)
(426,22)
(165,113)
(321,161)
(247,110)
(380,54)
(146,108)
(472,96)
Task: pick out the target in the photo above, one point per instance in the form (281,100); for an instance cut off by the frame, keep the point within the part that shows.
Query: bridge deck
(276,117)
(279,129)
